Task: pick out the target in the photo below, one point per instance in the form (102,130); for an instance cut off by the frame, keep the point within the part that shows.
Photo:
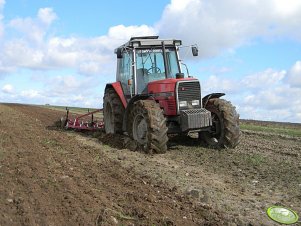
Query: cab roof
(149,41)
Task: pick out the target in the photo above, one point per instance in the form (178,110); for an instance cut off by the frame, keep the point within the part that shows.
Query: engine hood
(166,85)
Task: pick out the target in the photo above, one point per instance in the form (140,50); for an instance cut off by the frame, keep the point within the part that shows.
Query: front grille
(189,91)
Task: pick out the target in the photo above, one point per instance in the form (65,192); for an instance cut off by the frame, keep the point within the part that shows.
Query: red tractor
(151,98)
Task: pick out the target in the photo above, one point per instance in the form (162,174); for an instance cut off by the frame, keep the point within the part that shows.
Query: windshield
(150,65)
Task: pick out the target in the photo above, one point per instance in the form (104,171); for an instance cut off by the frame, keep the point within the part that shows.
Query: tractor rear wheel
(113,111)
(225,131)
(147,126)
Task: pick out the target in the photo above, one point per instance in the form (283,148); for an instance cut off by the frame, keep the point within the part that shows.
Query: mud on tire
(147,125)
(225,125)
(113,111)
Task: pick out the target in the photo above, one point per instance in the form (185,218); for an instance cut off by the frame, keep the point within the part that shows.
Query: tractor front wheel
(147,126)
(225,132)
(113,111)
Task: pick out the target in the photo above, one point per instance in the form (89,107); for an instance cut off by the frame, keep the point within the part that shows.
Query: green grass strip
(295,132)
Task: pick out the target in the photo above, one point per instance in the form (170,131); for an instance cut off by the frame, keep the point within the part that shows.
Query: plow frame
(77,124)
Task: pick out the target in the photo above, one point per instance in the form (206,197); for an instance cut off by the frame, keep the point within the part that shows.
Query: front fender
(210,96)
(118,89)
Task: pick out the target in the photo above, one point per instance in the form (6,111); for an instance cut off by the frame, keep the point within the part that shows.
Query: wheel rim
(108,119)
(140,129)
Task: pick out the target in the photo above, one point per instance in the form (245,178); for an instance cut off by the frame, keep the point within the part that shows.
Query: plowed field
(50,176)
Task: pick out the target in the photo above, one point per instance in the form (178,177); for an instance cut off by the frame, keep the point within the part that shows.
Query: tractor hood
(166,85)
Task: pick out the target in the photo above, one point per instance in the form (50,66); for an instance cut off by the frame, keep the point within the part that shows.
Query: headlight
(183,103)
(195,102)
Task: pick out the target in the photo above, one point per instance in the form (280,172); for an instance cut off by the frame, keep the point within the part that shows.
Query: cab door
(125,73)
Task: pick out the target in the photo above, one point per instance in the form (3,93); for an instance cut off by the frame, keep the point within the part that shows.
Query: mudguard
(210,96)
(118,89)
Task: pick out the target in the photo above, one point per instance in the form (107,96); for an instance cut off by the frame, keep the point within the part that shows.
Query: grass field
(288,129)
(75,111)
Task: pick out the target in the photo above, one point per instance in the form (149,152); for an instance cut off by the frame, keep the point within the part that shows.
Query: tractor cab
(146,59)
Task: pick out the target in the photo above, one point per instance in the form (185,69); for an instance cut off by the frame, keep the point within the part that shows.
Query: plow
(152,97)
(81,123)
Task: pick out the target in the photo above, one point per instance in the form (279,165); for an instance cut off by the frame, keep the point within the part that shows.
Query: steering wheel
(153,70)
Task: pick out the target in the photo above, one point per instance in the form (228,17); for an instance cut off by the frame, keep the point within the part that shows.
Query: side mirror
(195,51)
(119,53)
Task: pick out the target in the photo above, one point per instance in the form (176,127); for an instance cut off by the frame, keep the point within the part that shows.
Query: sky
(62,52)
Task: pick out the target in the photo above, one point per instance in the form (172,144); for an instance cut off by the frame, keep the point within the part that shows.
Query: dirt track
(53,177)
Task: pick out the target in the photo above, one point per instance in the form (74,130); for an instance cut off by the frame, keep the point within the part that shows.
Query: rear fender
(210,96)
(130,105)
(118,89)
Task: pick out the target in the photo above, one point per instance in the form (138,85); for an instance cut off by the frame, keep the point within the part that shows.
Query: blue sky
(61,52)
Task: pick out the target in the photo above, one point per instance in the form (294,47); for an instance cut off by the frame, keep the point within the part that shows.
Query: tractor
(152,98)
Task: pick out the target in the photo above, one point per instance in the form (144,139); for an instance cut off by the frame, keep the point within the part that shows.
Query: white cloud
(31,94)
(63,85)
(285,8)
(223,25)
(18,53)
(214,25)
(4,70)
(250,112)
(264,79)
(79,98)
(220,84)
(28,28)
(77,52)
(1,27)
(2,2)
(8,88)
(270,95)
(47,15)
(32,47)
(265,95)
(34,29)
(267,99)
(67,86)
(294,75)
(90,68)
(123,33)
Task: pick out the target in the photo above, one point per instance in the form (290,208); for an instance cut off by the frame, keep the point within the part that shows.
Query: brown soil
(54,177)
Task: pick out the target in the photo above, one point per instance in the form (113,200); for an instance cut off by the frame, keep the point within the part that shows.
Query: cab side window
(126,72)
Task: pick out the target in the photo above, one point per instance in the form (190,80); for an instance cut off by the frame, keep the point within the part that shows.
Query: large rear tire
(113,111)
(147,126)
(225,131)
